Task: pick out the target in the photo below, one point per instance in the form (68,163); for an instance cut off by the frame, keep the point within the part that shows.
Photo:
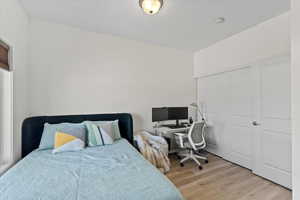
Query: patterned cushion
(115,127)
(62,138)
(94,137)
(66,142)
(102,132)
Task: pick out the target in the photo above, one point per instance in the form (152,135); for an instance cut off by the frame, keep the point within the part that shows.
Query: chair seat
(186,144)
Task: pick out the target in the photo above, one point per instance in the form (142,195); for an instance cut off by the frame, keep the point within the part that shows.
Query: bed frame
(32,127)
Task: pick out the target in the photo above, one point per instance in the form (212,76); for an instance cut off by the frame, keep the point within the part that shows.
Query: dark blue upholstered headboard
(32,127)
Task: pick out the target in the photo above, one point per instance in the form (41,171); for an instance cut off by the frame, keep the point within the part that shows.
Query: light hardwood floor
(222,180)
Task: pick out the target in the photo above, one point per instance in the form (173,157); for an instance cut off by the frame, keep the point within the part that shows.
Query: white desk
(168,133)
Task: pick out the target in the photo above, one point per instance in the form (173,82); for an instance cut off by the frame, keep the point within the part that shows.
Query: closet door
(213,98)
(238,137)
(273,128)
(249,112)
(227,100)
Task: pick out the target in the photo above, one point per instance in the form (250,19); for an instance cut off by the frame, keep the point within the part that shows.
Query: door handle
(255,123)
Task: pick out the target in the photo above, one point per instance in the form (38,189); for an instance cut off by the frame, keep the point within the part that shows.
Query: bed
(111,172)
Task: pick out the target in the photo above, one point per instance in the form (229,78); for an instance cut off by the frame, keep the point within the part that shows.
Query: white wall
(263,41)
(295,72)
(14,31)
(76,72)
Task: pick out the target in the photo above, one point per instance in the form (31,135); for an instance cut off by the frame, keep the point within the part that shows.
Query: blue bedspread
(112,172)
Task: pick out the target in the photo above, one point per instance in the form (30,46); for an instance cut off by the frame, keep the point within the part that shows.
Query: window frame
(7,161)
(6,45)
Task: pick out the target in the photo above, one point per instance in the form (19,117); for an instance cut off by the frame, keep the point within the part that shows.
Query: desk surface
(167,132)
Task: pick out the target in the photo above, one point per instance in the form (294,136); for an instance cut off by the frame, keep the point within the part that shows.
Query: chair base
(192,156)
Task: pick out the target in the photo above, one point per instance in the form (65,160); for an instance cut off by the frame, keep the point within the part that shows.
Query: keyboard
(171,126)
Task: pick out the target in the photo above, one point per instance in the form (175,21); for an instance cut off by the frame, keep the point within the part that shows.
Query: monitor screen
(176,113)
(159,114)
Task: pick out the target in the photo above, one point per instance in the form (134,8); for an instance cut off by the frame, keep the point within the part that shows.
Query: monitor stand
(177,123)
(174,126)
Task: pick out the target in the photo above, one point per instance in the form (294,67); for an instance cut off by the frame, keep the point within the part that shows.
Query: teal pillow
(76,129)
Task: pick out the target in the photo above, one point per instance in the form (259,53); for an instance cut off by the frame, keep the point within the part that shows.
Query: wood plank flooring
(222,180)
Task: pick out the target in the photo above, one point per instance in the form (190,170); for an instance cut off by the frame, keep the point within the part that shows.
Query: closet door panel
(276,159)
(241,92)
(214,134)
(227,104)
(239,132)
(275,90)
(278,125)
(215,107)
(273,143)
(216,94)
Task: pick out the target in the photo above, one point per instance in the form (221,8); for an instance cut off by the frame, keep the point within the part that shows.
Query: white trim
(11,89)
(11,76)
(3,43)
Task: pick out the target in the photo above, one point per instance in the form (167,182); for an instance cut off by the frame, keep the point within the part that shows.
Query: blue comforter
(112,172)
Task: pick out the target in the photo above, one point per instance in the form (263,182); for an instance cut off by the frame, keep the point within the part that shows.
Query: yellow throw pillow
(63,138)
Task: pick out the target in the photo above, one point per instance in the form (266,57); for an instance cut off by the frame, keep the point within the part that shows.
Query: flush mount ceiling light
(220,20)
(151,7)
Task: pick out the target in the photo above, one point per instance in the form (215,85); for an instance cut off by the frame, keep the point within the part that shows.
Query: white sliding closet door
(273,137)
(210,89)
(239,130)
(227,99)
(249,110)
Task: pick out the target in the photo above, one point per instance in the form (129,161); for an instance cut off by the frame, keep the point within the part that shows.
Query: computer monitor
(178,113)
(159,114)
(169,113)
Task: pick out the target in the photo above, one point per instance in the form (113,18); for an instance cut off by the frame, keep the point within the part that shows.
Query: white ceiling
(182,24)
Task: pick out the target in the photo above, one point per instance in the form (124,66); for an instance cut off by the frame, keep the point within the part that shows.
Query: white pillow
(107,133)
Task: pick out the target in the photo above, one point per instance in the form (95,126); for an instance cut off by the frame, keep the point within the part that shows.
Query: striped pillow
(115,127)
(94,137)
(99,135)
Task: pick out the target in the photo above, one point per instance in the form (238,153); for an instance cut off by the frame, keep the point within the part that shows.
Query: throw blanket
(154,149)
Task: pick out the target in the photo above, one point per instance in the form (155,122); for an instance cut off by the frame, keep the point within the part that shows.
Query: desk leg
(173,148)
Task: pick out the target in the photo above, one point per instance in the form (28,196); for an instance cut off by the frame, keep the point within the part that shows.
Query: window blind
(4,56)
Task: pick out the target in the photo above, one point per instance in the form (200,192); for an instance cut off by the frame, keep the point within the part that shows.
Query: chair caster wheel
(200,167)
(181,165)
(206,161)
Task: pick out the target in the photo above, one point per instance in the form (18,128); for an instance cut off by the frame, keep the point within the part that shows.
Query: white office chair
(193,142)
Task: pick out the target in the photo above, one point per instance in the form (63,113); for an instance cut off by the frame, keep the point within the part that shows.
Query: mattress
(111,172)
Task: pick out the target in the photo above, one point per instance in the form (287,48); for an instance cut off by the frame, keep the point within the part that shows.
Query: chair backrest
(196,135)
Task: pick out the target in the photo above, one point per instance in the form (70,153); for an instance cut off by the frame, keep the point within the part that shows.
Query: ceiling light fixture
(220,20)
(151,7)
